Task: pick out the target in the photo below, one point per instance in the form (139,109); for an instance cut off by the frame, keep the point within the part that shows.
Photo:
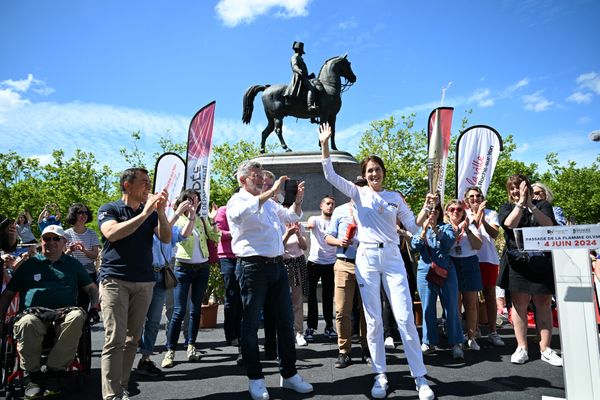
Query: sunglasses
(454,209)
(475,196)
(51,238)
(538,193)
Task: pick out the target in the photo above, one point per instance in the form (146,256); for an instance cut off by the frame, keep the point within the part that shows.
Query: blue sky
(88,73)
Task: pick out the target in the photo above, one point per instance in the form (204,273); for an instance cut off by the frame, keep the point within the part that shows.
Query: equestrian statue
(305,97)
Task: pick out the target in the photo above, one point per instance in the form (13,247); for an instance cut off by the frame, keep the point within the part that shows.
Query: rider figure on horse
(301,78)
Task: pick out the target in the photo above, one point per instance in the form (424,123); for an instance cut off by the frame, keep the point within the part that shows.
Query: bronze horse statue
(277,106)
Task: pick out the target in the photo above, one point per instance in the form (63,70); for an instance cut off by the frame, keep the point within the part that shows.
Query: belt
(371,245)
(261,259)
(348,260)
(192,266)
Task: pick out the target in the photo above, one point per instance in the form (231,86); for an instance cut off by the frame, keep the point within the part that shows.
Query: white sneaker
(472,344)
(425,392)
(192,354)
(520,356)
(551,357)
(495,339)
(427,348)
(258,389)
(380,387)
(296,383)
(457,352)
(167,362)
(389,343)
(300,341)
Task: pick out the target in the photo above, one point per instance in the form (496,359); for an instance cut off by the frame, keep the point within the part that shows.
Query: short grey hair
(549,194)
(245,167)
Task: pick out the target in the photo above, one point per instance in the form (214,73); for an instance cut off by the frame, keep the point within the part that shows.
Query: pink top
(224,248)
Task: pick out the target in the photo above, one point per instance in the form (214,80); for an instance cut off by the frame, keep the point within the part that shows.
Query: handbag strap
(167,262)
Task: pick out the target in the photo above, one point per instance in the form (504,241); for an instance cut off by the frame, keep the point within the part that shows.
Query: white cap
(55,229)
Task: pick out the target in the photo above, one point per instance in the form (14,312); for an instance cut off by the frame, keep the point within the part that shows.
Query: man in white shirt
(255,225)
(321,259)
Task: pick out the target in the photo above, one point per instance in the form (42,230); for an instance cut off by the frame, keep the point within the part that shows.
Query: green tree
(225,159)
(575,188)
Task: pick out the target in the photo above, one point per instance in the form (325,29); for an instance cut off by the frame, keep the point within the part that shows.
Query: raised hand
(324,132)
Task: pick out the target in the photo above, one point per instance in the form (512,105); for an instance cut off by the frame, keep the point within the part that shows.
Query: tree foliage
(225,159)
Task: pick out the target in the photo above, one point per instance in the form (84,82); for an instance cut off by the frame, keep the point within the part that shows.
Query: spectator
(82,243)
(543,192)
(378,261)
(50,280)
(8,234)
(256,224)
(24,228)
(341,233)
(487,225)
(531,277)
(126,275)
(463,254)
(294,242)
(434,241)
(233,301)
(162,254)
(192,270)
(321,259)
(50,215)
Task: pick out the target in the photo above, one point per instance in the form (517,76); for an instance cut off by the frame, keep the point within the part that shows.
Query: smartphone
(290,188)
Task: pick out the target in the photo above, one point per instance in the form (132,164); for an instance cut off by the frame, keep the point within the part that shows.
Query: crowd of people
(270,262)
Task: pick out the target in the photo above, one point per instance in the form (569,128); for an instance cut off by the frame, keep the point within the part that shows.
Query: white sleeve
(406,216)
(239,208)
(341,184)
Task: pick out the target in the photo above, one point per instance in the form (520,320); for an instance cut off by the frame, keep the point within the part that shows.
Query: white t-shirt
(488,252)
(292,246)
(462,243)
(320,251)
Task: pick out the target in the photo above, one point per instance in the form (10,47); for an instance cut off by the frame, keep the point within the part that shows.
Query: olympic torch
(440,121)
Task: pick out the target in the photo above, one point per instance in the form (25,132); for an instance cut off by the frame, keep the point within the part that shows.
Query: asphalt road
(487,374)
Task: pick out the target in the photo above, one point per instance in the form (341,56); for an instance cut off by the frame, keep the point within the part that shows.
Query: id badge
(458,250)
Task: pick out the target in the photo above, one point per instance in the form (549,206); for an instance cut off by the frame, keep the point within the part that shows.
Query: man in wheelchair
(48,285)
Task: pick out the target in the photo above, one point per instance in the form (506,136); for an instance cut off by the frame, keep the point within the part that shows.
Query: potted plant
(213,296)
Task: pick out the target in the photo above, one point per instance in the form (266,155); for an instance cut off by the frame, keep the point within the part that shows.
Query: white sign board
(559,237)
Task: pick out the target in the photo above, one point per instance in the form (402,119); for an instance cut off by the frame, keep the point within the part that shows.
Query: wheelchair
(14,380)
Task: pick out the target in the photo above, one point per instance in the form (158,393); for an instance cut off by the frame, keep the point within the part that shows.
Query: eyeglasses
(454,209)
(539,193)
(475,196)
(51,238)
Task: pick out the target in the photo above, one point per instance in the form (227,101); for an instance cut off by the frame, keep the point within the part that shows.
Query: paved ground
(487,374)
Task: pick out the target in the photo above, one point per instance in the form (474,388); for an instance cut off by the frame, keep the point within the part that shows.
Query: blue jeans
(448,295)
(262,281)
(153,316)
(233,301)
(197,278)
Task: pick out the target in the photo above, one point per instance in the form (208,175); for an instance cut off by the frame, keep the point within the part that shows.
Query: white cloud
(12,94)
(522,149)
(481,97)
(536,102)
(584,120)
(590,81)
(234,12)
(348,24)
(513,88)
(580,98)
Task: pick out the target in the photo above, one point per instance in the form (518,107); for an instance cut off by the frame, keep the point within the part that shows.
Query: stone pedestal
(306,166)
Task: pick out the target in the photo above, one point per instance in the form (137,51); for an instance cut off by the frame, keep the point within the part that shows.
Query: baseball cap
(55,229)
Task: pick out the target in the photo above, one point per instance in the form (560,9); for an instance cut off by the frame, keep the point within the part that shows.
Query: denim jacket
(439,246)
